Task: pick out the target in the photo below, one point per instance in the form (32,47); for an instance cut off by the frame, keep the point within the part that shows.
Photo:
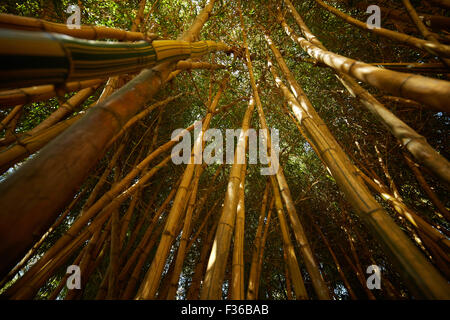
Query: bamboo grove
(87,121)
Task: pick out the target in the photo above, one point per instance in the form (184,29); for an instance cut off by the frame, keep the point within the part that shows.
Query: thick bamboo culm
(61,166)
(185,65)
(436,49)
(251,288)
(311,265)
(10,21)
(435,22)
(152,279)
(399,247)
(42,93)
(52,58)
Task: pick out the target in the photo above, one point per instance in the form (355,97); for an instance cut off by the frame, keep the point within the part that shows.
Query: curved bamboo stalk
(294,270)
(397,244)
(425,187)
(251,288)
(411,140)
(441,3)
(433,48)
(311,265)
(10,21)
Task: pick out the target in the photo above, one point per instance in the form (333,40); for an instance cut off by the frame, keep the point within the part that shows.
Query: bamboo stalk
(397,245)
(66,161)
(237,276)
(311,265)
(11,115)
(411,140)
(114,255)
(66,108)
(422,28)
(438,50)
(294,270)
(142,249)
(431,92)
(42,93)
(66,241)
(435,22)
(184,65)
(152,279)
(212,284)
(181,252)
(336,261)
(194,289)
(85,32)
(36,246)
(262,247)
(413,67)
(257,245)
